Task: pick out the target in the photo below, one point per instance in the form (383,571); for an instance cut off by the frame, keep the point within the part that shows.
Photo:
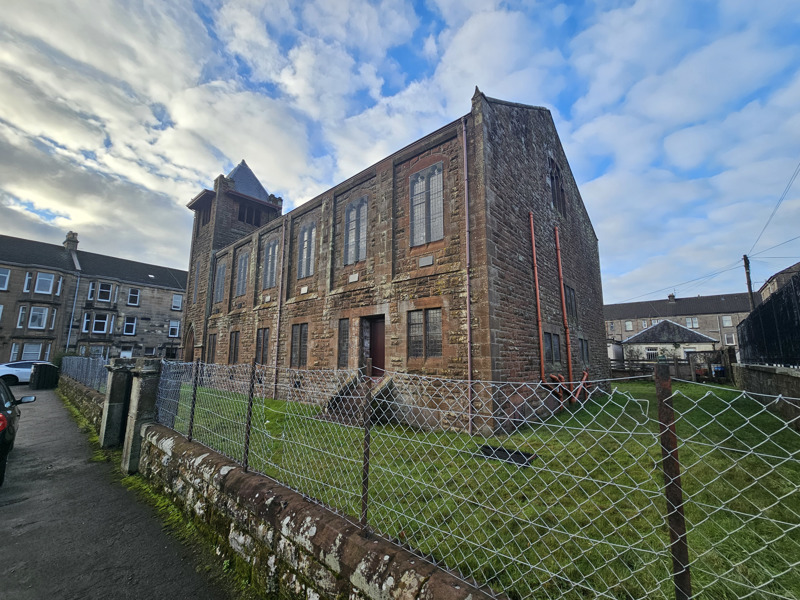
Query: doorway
(373,345)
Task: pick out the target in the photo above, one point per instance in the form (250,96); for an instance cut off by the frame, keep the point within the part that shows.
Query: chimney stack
(71,243)
(671,298)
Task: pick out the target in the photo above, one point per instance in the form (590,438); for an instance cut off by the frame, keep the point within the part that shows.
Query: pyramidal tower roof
(245,182)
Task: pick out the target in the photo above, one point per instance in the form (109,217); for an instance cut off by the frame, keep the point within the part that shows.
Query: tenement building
(56,299)
(422,263)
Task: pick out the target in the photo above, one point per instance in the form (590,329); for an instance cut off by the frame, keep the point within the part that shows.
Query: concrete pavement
(69,530)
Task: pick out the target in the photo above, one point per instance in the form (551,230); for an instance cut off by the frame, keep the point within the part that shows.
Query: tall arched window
(427,205)
(355,231)
(305,250)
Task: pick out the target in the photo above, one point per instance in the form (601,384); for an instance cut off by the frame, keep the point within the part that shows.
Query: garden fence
(608,489)
(91,372)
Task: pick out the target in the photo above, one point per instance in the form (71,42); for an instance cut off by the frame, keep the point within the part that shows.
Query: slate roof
(39,254)
(668,332)
(664,309)
(245,182)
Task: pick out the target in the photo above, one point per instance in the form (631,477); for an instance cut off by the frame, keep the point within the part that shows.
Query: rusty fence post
(367,415)
(673,490)
(249,421)
(195,380)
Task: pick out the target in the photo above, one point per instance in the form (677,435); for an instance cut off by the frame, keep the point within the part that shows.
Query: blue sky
(681,120)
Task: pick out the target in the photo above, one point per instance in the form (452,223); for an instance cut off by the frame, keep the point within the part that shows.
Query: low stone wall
(294,548)
(87,400)
(774,381)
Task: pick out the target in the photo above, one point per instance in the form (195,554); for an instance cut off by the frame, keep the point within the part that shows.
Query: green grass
(585,520)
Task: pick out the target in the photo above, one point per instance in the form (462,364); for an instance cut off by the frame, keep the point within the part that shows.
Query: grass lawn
(584,520)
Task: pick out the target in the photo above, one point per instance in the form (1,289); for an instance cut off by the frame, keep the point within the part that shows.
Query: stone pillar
(115,407)
(142,409)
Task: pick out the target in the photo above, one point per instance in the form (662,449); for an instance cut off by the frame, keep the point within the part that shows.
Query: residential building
(667,339)
(715,317)
(422,263)
(778,280)
(58,298)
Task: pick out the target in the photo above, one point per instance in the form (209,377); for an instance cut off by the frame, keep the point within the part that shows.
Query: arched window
(557,188)
(305,250)
(355,231)
(427,205)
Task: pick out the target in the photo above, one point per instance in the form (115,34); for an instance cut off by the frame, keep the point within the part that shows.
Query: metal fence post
(367,413)
(249,421)
(194,398)
(673,490)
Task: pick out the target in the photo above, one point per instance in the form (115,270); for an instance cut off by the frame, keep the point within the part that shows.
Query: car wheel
(9,379)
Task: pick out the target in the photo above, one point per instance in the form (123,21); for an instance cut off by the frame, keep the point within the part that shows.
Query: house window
(569,300)
(584,347)
(727,321)
(628,325)
(355,232)
(219,283)
(23,312)
(129,328)
(46,352)
(28,279)
(150,351)
(14,352)
(299,356)
(344,343)
(644,323)
(177,301)
(58,292)
(425,333)
(133,297)
(557,189)
(730,339)
(38,318)
(211,348)
(53,318)
(688,351)
(552,348)
(44,283)
(691,322)
(87,321)
(104,292)
(305,253)
(1,312)
(233,348)
(174,328)
(270,256)
(656,321)
(249,214)
(262,345)
(651,353)
(31,351)
(5,275)
(241,273)
(92,286)
(427,205)
(611,326)
(100,324)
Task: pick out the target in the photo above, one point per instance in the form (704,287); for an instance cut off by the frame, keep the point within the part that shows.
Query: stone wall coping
(789,371)
(360,559)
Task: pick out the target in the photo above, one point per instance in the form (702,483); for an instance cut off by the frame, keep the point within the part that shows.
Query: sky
(680,119)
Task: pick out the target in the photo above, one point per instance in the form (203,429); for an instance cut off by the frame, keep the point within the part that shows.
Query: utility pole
(749,283)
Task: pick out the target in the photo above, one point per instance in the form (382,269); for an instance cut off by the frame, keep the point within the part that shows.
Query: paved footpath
(68,530)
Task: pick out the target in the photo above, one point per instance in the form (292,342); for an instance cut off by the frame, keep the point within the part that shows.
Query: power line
(730,267)
(780,201)
(775,246)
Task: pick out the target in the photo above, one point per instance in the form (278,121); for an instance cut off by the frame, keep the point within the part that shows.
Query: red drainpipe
(564,311)
(469,297)
(538,302)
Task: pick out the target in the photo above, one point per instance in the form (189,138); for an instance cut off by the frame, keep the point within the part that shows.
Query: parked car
(19,371)
(9,422)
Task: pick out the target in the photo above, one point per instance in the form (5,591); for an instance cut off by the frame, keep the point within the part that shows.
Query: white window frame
(90,294)
(177,301)
(47,352)
(104,289)
(28,280)
(14,352)
(644,323)
(53,318)
(129,327)
(60,283)
(44,283)
(729,319)
(100,318)
(692,322)
(628,325)
(5,277)
(174,328)
(27,350)
(651,353)
(149,350)
(1,311)
(23,313)
(134,294)
(730,339)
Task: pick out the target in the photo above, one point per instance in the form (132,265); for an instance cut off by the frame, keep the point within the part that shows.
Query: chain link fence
(536,490)
(91,372)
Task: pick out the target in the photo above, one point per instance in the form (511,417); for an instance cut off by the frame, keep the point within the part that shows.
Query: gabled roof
(245,182)
(678,307)
(31,253)
(782,276)
(668,332)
